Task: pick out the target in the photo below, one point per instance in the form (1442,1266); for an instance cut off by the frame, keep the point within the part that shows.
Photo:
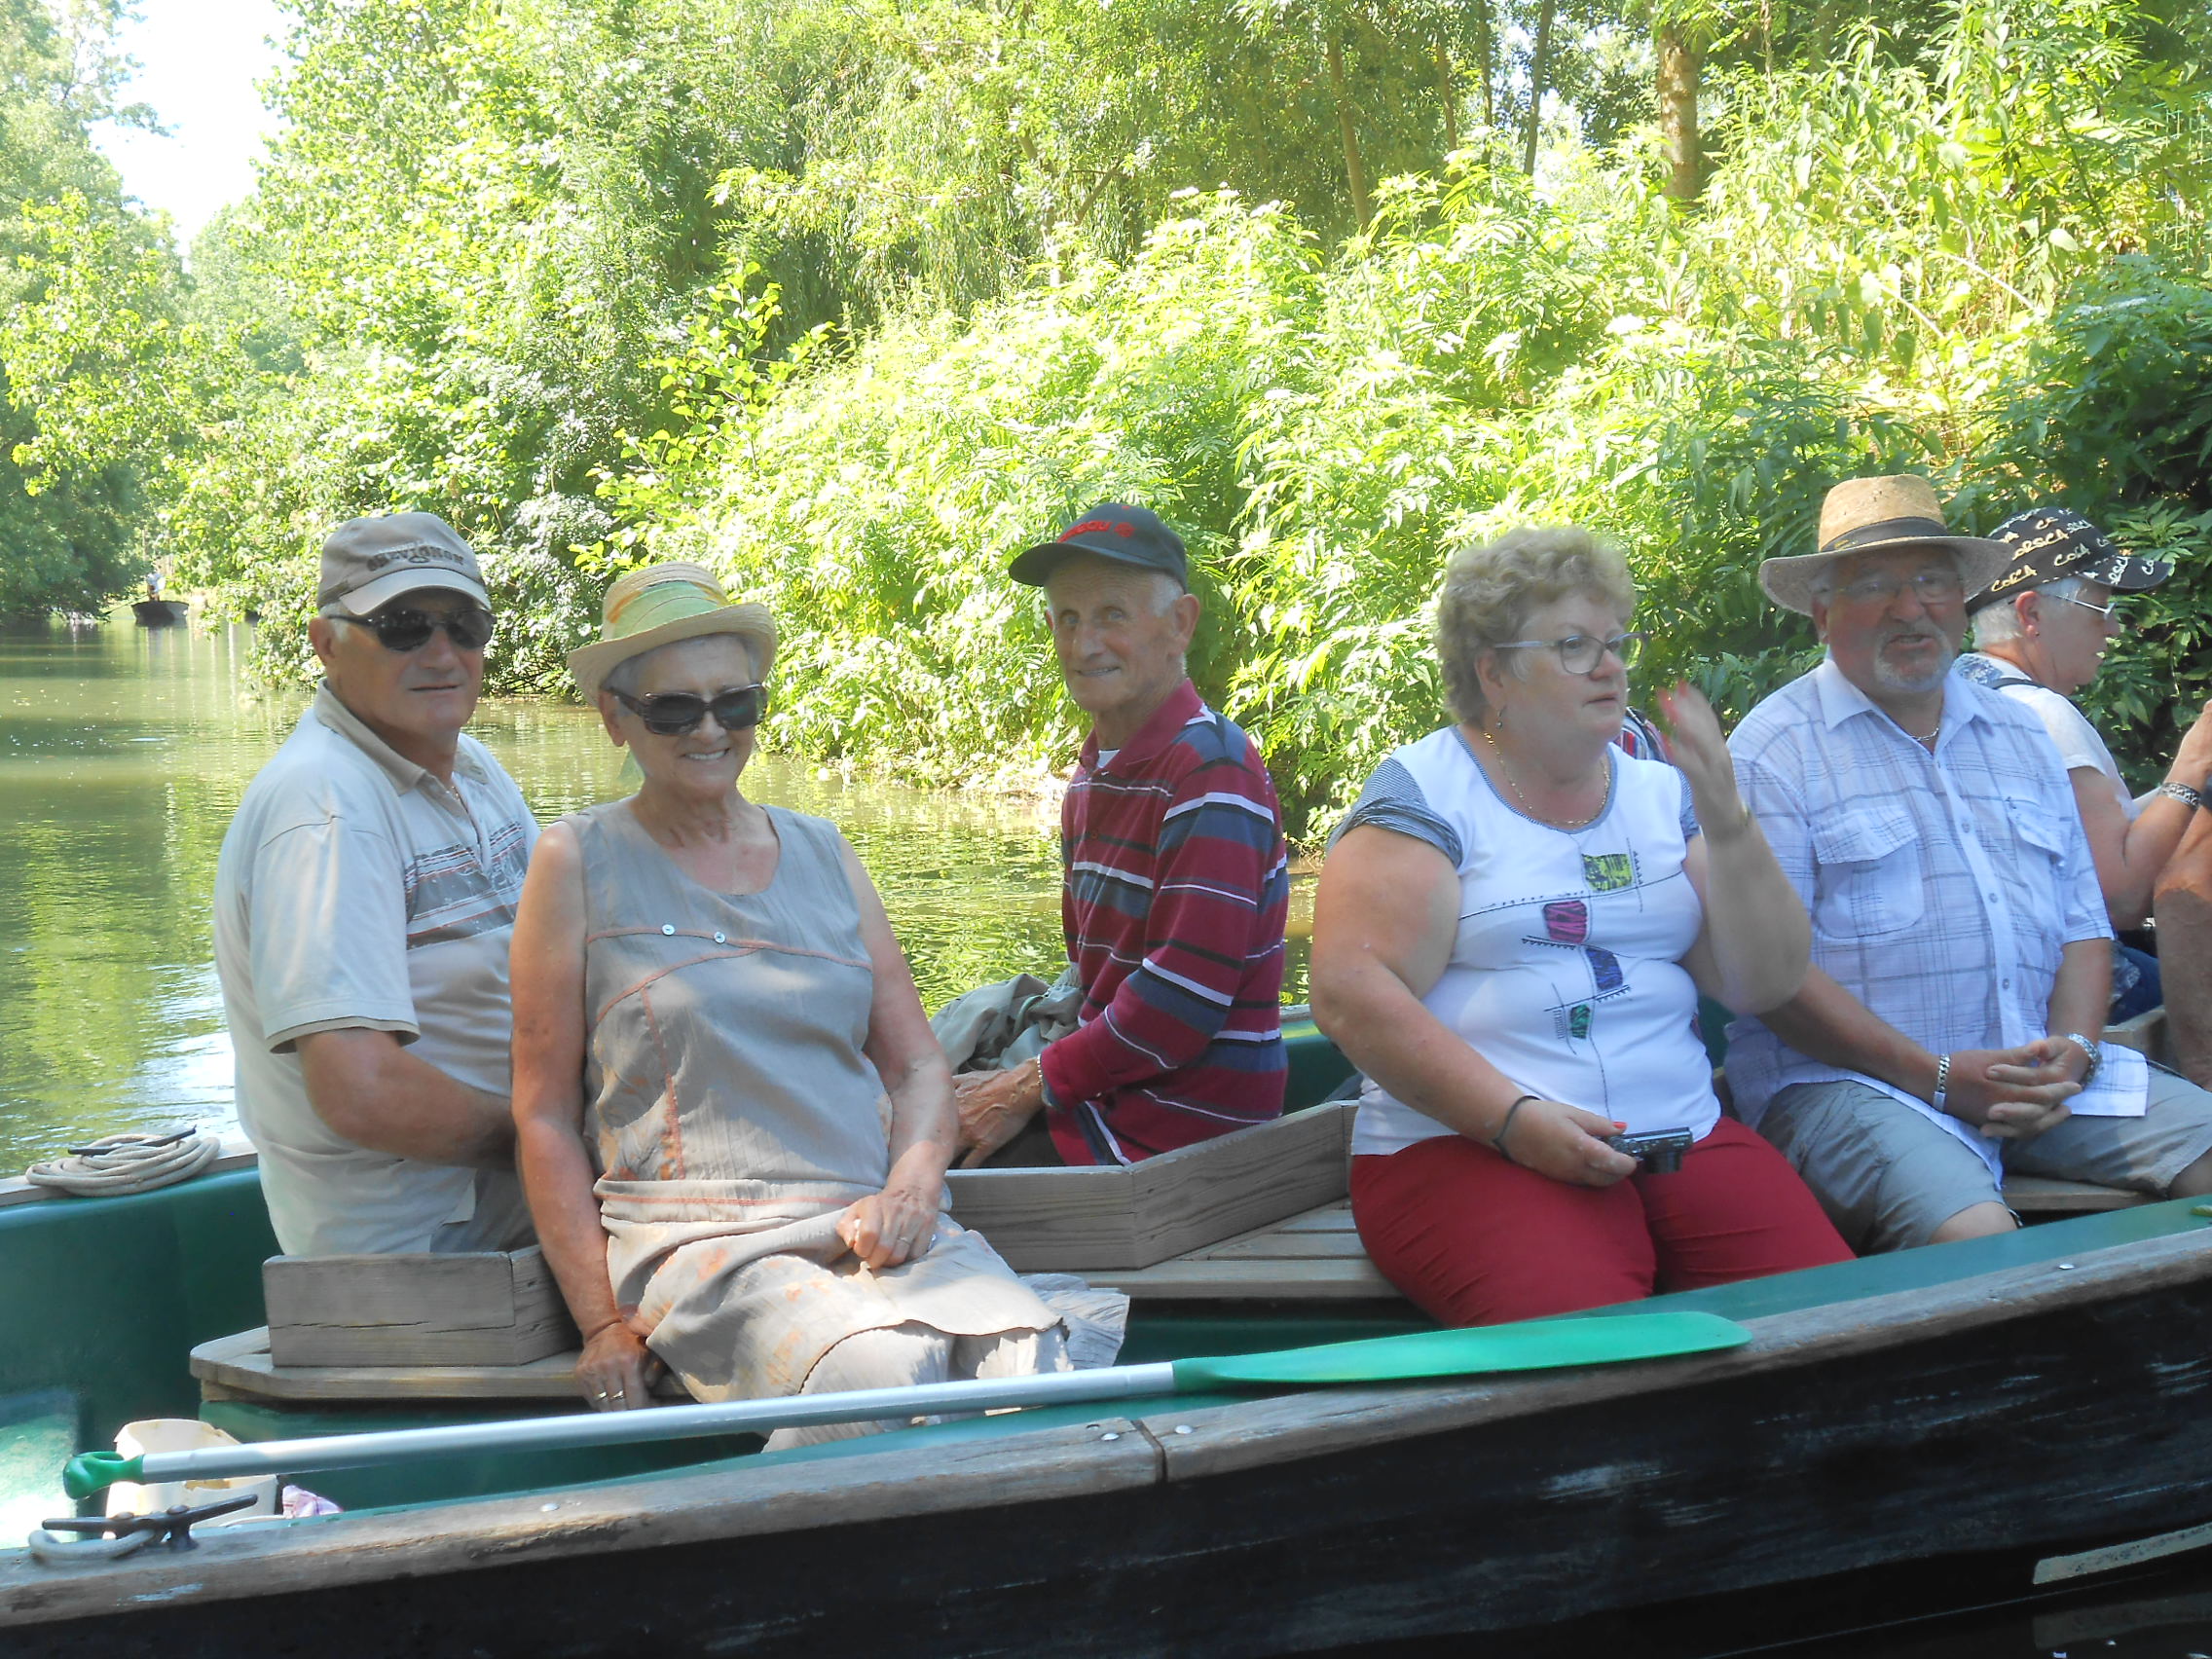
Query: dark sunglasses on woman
(672,713)
(408,630)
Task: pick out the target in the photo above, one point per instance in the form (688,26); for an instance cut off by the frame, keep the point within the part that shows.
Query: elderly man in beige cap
(363,905)
(1949,1028)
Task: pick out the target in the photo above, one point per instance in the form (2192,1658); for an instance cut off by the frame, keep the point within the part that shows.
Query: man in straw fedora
(363,905)
(1949,1028)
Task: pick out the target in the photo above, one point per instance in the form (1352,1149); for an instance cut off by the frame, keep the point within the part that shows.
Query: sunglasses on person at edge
(672,713)
(1580,653)
(402,628)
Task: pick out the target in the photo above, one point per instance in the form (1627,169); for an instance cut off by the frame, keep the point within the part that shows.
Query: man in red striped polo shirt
(1174,881)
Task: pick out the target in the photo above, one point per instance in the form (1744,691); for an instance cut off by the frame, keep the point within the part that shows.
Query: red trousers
(1474,1239)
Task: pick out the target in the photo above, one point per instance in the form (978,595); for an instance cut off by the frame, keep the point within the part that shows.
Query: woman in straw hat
(733,1120)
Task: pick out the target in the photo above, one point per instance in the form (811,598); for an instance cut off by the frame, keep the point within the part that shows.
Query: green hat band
(671,600)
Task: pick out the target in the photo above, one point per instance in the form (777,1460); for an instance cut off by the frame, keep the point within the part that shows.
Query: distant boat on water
(158,613)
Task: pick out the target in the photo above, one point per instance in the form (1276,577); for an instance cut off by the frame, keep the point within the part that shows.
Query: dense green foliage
(1894,270)
(854,297)
(70,514)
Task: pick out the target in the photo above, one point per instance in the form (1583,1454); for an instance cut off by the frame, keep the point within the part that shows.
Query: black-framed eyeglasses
(409,629)
(672,713)
(1580,653)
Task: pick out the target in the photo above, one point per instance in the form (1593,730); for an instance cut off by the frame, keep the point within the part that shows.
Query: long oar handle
(90,1472)
(1534,1346)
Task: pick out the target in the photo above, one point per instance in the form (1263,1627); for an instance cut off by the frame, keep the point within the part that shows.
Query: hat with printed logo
(369,562)
(1127,535)
(2048,544)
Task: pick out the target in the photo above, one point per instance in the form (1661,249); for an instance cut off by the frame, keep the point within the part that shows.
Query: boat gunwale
(1109,1453)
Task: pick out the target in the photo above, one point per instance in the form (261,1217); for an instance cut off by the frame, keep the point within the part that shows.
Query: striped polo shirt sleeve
(1202,899)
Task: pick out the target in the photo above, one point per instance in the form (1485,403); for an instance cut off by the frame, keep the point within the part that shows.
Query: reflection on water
(122,753)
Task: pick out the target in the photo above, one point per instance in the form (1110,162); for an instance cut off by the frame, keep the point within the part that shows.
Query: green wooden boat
(1977,1405)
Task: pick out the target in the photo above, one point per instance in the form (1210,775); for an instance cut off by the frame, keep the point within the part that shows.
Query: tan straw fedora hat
(659,605)
(1864,515)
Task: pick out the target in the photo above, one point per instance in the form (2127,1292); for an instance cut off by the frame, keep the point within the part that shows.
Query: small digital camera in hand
(1659,1151)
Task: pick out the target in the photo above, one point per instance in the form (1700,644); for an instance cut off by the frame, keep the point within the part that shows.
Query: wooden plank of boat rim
(2009,1409)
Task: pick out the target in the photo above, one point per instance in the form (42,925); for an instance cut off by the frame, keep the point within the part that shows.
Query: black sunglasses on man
(406,629)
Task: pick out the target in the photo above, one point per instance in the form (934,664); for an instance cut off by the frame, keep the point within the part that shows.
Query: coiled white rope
(117,1165)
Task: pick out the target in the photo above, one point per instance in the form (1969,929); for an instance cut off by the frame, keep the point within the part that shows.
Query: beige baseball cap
(369,562)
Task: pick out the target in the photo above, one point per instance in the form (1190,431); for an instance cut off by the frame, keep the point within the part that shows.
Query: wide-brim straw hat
(1864,515)
(659,605)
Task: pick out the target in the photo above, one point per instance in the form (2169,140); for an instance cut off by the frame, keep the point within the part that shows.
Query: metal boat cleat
(126,1535)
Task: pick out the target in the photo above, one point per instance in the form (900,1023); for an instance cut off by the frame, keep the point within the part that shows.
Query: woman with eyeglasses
(1510,934)
(2039,634)
(733,1119)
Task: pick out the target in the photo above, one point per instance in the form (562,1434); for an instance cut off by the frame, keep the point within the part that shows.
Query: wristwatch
(2096,1056)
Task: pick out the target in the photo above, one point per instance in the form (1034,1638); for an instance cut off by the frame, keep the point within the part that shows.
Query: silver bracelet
(1942,1080)
(2182,793)
(2096,1055)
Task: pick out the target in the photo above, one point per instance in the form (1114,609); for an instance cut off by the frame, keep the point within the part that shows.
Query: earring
(1501,716)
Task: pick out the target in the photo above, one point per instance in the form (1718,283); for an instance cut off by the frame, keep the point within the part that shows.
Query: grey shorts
(502,1221)
(1889,1177)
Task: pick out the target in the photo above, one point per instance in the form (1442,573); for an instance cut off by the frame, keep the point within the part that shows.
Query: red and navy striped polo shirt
(1176,888)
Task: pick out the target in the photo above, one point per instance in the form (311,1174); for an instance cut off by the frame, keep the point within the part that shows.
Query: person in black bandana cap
(2040,629)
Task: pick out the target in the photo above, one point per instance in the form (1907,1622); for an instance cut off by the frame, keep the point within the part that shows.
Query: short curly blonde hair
(1490,589)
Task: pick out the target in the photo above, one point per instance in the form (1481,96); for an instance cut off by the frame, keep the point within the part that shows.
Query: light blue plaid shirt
(1942,887)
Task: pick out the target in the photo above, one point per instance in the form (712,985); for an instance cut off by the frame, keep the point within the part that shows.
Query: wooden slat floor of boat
(2033,1195)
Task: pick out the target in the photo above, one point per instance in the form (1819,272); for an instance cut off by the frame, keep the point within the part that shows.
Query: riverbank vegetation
(853,298)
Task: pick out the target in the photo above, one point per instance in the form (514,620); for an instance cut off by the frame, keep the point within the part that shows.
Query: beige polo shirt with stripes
(356,890)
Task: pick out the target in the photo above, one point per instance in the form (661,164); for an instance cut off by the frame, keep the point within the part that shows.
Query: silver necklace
(1506,770)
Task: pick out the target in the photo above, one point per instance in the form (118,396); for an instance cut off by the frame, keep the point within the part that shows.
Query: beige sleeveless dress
(733,1118)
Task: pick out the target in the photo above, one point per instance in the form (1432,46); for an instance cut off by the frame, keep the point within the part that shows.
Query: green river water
(122,753)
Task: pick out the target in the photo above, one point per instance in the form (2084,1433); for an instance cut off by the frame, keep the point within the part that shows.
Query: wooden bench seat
(1312,1255)
(1315,1256)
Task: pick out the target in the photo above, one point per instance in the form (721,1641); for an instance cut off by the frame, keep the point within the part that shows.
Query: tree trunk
(1355,169)
(1485,54)
(1450,95)
(1678,72)
(1538,69)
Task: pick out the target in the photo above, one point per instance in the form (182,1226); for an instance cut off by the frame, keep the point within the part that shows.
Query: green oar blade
(1536,1344)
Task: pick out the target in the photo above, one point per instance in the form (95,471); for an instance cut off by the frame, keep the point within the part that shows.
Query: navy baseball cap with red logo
(1128,536)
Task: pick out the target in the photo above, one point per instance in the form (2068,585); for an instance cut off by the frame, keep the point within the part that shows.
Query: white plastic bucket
(185,1434)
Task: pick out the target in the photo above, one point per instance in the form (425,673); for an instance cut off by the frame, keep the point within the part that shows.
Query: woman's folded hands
(890,1227)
